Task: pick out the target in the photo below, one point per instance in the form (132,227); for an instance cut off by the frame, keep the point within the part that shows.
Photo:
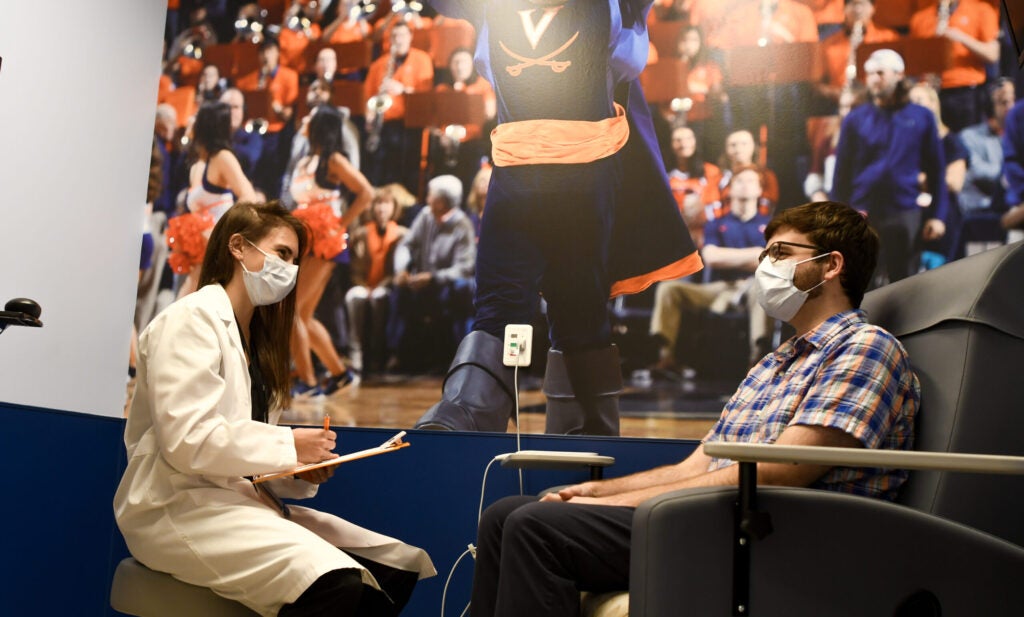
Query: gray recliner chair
(954,542)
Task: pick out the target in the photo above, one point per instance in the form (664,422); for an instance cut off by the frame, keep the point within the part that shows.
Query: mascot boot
(583,392)
(478,392)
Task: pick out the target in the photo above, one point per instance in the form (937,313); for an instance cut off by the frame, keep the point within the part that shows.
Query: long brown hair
(271,327)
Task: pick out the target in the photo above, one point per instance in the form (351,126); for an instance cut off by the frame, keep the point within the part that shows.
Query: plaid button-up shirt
(846,374)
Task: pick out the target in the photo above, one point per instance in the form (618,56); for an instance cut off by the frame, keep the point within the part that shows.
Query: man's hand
(313,445)
(420,280)
(933,229)
(394,87)
(401,279)
(1014,218)
(588,494)
(576,491)
(956,35)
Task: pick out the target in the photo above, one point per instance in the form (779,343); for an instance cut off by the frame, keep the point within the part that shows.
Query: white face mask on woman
(272,283)
(776,292)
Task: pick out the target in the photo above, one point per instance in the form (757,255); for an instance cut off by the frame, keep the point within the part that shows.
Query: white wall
(77,96)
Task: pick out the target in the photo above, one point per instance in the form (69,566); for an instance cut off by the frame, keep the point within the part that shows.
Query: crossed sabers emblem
(547,60)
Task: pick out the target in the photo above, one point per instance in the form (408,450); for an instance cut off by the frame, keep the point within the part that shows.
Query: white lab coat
(184,505)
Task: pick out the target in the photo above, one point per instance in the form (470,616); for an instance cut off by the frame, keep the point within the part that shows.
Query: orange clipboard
(390,445)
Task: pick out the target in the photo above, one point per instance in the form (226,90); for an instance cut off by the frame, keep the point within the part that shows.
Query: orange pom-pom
(187,241)
(327,236)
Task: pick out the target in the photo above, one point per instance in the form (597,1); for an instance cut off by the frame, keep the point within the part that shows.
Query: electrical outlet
(518,345)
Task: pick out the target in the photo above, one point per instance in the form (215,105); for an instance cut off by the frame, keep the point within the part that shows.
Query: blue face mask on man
(273,282)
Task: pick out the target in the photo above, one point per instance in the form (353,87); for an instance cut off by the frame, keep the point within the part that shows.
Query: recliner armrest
(861,457)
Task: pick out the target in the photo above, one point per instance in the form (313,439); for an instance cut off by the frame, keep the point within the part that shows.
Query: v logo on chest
(534,32)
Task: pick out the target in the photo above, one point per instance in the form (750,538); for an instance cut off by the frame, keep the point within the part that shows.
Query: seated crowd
(315,104)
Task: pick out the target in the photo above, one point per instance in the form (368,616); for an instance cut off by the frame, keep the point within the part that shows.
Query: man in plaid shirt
(839,381)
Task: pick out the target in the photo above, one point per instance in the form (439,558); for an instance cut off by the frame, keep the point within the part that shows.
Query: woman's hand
(316,476)
(313,444)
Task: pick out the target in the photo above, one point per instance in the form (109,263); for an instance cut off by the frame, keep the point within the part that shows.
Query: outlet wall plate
(518,345)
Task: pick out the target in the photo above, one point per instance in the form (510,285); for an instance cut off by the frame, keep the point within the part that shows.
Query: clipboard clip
(394,441)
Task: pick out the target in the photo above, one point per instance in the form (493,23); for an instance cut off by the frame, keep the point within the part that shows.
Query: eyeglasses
(775,251)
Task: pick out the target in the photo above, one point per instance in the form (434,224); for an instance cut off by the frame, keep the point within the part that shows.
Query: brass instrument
(944,10)
(193,49)
(451,137)
(256,125)
(400,6)
(249,26)
(856,38)
(360,9)
(681,106)
(378,104)
(300,24)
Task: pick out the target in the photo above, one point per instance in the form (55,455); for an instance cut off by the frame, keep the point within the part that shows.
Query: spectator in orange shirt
(704,87)
(828,14)
(973,27)
(324,68)
(694,183)
(283,85)
(458,150)
(791,22)
(349,26)
(373,266)
(781,108)
(299,27)
(199,32)
(711,16)
(413,19)
(211,85)
(671,10)
(392,150)
(741,152)
(858,22)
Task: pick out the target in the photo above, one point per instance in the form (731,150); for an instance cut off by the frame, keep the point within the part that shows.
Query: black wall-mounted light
(20,312)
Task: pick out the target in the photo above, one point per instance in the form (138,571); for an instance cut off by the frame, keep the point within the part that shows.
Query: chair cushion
(137,590)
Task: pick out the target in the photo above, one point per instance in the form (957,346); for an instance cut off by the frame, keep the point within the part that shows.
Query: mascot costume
(579,207)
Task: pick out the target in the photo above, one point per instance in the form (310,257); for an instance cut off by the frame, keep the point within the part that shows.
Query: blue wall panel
(60,543)
(62,469)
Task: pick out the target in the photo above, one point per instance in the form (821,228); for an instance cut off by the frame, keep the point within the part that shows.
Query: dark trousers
(447,308)
(397,158)
(900,250)
(547,229)
(341,593)
(961,107)
(535,558)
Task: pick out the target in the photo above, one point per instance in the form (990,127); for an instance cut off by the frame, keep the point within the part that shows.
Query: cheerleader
(216,182)
(316,187)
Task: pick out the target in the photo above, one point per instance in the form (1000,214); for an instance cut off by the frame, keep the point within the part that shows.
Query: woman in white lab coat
(212,379)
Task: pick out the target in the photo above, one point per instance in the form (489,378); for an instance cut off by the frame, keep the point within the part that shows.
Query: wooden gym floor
(670,411)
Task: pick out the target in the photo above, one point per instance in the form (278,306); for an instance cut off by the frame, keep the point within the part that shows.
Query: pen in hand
(327,422)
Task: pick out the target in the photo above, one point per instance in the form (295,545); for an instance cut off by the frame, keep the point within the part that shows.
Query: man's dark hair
(835,227)
(269,42)
(990,94)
